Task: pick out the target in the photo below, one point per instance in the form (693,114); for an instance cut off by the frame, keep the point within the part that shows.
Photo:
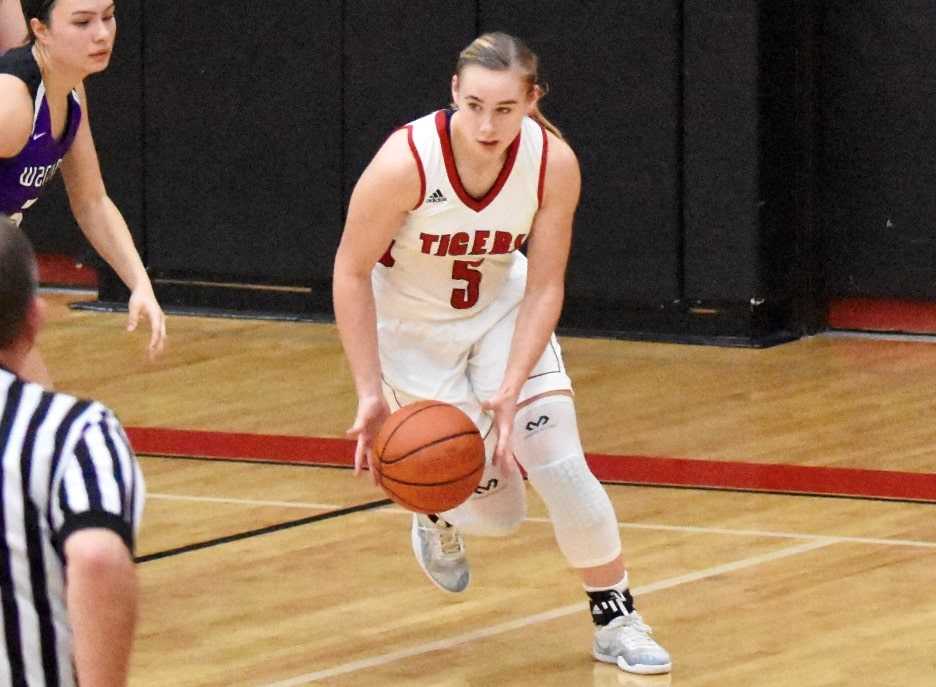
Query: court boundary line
(526,621)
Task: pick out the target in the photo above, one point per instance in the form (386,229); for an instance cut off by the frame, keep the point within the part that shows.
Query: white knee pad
(498,505)
(546,442)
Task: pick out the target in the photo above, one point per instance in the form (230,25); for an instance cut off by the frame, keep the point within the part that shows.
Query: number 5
(466,270)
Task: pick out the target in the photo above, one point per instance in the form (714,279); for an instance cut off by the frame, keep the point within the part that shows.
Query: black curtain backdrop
(741,160)
(243,139)
(878,166)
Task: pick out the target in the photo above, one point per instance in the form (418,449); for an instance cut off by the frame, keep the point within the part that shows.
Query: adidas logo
(436,197)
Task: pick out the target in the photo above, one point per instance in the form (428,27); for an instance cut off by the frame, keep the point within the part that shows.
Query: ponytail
(540,118)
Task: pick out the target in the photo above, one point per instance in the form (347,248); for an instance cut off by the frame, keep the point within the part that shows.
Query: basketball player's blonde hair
(500,51)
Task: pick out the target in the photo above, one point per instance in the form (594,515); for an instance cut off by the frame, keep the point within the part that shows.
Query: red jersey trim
(419,166)
(476,204)
(542,172)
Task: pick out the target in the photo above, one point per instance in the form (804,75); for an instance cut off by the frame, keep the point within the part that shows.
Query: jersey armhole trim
(419,166)
(542,171)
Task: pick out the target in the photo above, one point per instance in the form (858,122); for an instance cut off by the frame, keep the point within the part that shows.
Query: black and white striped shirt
(67,465)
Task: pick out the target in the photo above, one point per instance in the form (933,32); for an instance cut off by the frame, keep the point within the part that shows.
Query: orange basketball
(429,456)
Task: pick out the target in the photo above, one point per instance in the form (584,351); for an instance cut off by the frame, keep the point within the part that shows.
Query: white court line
(627,525)
(839,539)
(484,633)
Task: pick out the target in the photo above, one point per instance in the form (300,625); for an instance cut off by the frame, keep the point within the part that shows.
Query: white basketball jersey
(456,255)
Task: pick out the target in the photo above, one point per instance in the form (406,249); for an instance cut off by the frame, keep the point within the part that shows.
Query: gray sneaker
(626,641)
(440,551)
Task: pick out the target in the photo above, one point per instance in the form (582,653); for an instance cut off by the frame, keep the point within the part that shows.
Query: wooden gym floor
(290,572)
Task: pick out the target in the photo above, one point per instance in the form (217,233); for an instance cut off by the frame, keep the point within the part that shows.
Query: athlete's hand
(371,414)
(504,408)
(143,304)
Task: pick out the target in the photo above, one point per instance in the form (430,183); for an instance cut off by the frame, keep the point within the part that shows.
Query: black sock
(608,604)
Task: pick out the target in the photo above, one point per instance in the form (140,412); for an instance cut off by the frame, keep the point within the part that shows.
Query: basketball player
(44,126)
(453,311)
(72,501)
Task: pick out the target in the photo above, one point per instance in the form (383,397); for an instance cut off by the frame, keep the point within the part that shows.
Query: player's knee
(582,515)
(547,444)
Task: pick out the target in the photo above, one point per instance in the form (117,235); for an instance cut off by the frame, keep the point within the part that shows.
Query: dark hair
(17,280)
(38,9)
(500,51)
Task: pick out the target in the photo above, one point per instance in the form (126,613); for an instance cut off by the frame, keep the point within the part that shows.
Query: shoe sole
(414,541)
(638,669)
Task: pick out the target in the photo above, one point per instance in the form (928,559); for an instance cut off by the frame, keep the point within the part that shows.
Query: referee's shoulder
(87,409)
(77,410)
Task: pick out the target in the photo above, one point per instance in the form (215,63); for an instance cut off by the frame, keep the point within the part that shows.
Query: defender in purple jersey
(44,129)
(23,176)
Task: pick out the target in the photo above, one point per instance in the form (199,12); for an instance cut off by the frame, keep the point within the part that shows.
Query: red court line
(230,445)
(803,479)
(883,315)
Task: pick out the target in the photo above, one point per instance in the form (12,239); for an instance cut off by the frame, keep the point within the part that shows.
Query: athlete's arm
(548,254)
(386,191)
(16,115)
(102,605)
(12,25)
(106,229)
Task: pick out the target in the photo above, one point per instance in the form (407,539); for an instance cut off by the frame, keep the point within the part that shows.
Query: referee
(71,496)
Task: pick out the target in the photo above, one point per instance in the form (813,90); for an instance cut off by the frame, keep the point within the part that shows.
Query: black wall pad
(614,75)
(243,138)
(878,163)
(399,59)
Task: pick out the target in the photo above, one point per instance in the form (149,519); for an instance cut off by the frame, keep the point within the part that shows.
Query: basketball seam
(384,477)
(431,443)
(408,418)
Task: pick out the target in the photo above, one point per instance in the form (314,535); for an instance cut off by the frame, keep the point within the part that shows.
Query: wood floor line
(526,621)
(835,538)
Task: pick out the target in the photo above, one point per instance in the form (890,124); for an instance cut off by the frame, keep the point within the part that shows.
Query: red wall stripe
(883,315)
(61,270)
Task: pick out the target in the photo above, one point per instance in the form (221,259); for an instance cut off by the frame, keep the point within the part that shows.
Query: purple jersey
(23,176)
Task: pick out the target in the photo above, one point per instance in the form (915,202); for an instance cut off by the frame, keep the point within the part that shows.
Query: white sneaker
(440,551)
(626,641)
